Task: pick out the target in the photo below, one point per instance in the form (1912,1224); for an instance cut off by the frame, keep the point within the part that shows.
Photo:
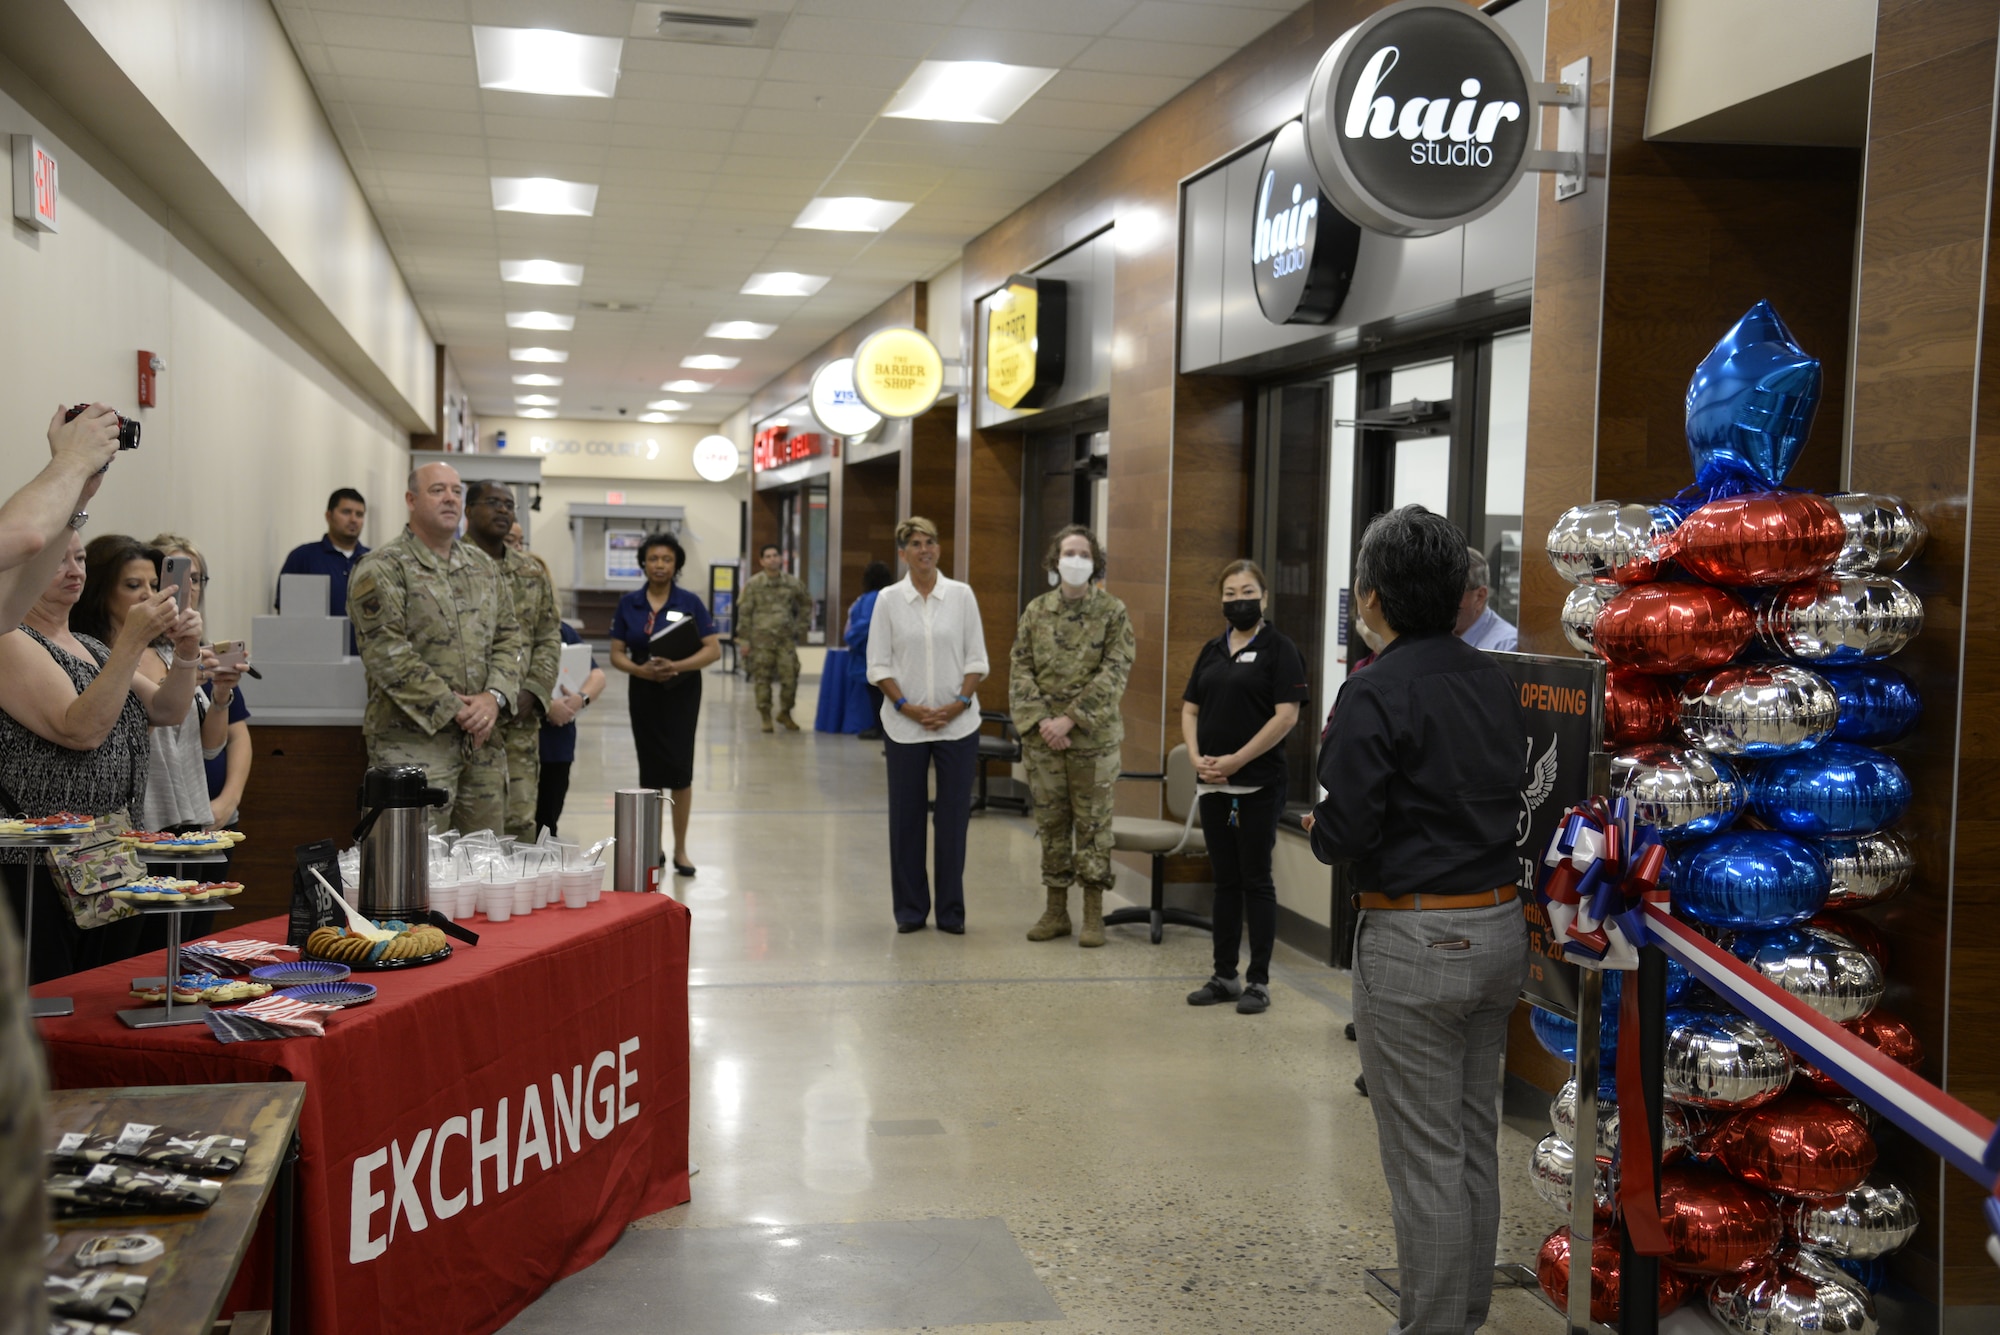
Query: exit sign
(34,184)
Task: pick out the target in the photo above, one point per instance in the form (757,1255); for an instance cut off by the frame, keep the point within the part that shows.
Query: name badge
(1249,656)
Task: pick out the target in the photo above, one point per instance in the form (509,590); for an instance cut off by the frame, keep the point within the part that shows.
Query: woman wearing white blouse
(927,653)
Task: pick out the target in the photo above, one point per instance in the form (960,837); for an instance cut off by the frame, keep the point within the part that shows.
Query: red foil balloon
(1664,628)
(1896,1040)
(1638,707)
(1760,539)
(1797,1145)
(1715,1224)
(1552,1269)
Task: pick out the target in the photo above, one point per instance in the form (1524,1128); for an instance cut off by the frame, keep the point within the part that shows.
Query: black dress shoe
(959,930)
(869,735)
(1350,1031)
(1361,1085)
(682,869)
(907,927)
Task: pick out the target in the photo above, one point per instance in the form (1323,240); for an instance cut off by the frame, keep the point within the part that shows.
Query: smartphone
(175,577)
(231,653)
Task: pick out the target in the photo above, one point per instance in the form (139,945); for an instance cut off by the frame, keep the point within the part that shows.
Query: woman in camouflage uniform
(1071,657)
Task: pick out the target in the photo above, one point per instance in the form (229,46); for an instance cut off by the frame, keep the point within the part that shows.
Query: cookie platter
(411,945)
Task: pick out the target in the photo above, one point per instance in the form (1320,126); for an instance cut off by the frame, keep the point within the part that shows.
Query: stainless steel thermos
(395,842)
(636,858)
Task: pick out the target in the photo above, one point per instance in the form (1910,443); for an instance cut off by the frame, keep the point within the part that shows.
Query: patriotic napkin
(274,1016)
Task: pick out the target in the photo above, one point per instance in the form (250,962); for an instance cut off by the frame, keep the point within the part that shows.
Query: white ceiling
(706,155)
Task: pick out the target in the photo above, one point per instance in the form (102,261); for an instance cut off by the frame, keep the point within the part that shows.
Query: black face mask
(1243,613)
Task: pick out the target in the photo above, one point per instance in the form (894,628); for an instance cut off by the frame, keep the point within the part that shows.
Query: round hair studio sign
(1301,251)
(1419,119)
(835,403)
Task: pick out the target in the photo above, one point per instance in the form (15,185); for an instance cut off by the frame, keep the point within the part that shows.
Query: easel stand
(40,1008)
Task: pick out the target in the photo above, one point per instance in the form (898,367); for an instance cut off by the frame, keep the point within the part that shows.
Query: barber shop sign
(1420,118)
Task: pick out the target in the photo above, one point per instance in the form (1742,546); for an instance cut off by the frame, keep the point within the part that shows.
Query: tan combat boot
(785,721)
(1093,918)
(765,714)
(1055,919)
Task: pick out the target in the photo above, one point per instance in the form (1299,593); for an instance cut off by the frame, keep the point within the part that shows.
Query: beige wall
(662,477)
(252,430)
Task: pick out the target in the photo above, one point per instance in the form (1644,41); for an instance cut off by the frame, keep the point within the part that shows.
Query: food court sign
(1418,119)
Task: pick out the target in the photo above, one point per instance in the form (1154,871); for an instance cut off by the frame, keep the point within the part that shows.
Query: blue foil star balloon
(1750,406)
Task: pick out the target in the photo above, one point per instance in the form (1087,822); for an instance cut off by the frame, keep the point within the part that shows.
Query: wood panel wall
(869,509)
(933,487)
(1926,427)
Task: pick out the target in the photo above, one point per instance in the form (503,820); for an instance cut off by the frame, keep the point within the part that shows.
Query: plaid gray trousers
(1432,994)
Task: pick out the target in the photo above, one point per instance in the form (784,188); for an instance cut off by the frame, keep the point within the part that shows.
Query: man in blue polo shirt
(335,554)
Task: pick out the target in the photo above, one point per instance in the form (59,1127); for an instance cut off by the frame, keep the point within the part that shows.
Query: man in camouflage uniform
(489,522)
(442,651)
(1072,655)
(772,617)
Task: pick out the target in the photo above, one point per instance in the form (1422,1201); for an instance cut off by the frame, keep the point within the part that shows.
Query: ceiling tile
(1049,50)
(350,62)
(820,38)
(1142,90)
(359,91)
(886,72)
(398,34)
(603,18)
(721,62)
(1164,21)
(1123,55)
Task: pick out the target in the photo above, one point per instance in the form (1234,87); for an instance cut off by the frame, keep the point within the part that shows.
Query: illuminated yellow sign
(1010,344)
(898,372)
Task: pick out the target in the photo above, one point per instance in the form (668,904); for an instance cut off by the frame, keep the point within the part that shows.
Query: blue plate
(330,994)
(305,971)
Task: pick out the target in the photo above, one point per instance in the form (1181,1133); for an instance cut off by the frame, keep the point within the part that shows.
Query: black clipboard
(676,640)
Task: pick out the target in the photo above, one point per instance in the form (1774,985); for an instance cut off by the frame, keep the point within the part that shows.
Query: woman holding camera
(74,717)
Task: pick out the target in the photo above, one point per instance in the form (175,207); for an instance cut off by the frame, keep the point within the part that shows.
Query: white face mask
(1075,570)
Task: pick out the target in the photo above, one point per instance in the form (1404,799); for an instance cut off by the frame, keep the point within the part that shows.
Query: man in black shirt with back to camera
(1422,764)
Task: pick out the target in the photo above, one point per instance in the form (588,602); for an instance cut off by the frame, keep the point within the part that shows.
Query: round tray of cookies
(413,945)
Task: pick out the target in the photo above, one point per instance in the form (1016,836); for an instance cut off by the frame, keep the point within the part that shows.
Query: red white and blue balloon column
(1745,625)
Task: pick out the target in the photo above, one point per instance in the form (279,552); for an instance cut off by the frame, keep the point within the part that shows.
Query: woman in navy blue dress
(665,693)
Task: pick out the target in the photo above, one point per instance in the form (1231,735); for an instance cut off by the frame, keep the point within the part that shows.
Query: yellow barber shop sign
(1025,323)
(898,372)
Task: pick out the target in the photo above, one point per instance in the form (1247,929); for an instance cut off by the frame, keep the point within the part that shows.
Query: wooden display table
(185,1288)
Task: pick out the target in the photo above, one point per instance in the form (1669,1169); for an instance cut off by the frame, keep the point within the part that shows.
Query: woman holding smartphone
(665,696)
(1241,699)
(226,771)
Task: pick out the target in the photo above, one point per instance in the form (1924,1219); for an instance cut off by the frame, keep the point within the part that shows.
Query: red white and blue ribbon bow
(1601,866)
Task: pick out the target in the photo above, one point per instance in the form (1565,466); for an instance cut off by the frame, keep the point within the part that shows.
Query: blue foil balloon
(1748,879)
(1835,788)
(1878,704)
(1557,1035)
(1750,406)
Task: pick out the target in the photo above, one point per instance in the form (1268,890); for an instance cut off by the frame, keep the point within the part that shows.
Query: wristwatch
(499,697)
(79,519)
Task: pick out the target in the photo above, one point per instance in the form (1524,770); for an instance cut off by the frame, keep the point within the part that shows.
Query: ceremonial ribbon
(1638,1194)
(1601,868)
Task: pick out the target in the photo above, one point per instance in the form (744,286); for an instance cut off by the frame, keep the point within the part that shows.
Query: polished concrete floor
(980,1133)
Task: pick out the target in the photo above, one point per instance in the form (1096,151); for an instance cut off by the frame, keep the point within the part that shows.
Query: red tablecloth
(559,1044)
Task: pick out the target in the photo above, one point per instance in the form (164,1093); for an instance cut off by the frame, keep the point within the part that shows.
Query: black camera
(128,430)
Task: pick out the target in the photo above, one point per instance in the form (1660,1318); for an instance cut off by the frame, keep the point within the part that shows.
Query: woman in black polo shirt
(1241,699)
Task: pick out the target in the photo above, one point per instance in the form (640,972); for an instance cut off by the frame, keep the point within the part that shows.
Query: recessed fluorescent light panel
(850,213)
(539,320)
(544,194)
(741,329)
(536,400)
(546,272)
(708,361)
(536,412)
(784,284)
(538,354)
(667,406)
(979,91)
(546,61)
(654,417)
(687,387)
(537,378)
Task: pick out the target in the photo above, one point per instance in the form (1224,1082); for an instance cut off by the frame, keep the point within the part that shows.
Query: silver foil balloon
(1579,613)
(1840,618)
(1872,1220)
(1608,542)
(1758,709)
(1675,1138)
(1682,791)
(1869,1117)
(1826,971)
(1772,1298)
(1715,1060)
(1552,1170)
(1883,534)
(1871,869)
